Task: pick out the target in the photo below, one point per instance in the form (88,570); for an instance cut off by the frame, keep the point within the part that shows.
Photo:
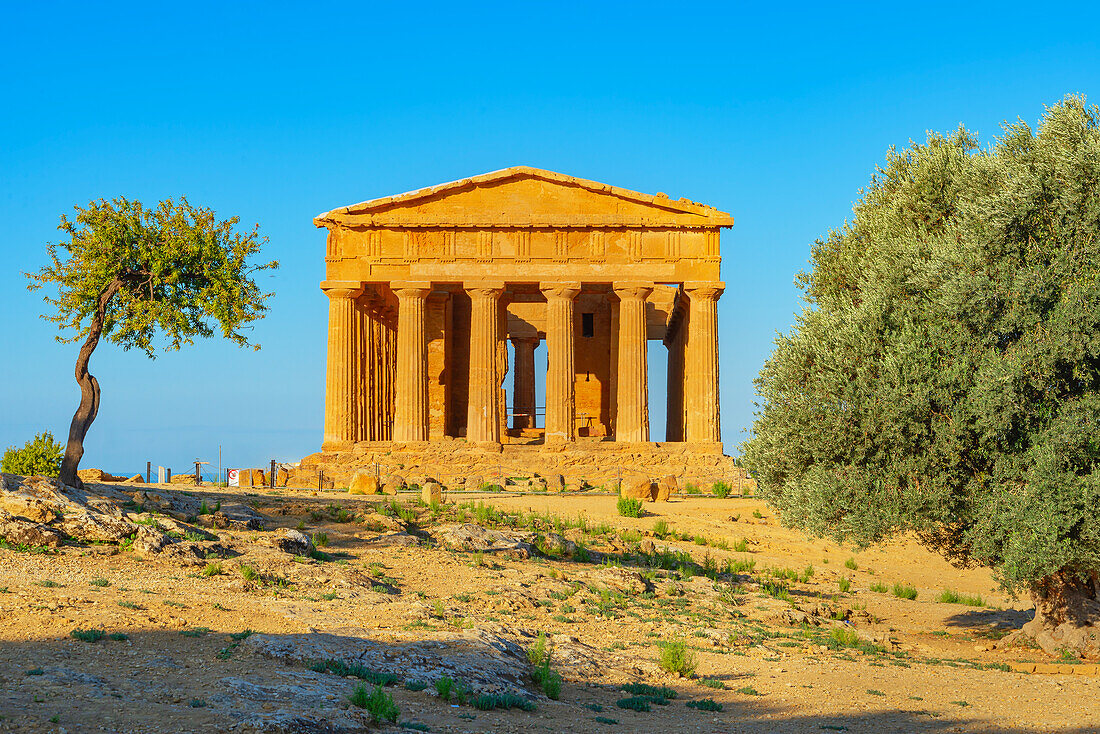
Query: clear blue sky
(276,113)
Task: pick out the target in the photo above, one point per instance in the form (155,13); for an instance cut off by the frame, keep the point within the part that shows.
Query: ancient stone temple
(426,289)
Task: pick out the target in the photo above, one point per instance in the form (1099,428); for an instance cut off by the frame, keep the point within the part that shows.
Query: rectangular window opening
(588,325)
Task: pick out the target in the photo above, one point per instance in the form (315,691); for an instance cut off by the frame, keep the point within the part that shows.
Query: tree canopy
(943,377)
(130,273)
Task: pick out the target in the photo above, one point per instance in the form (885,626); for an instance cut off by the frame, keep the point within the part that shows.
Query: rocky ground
(138,608)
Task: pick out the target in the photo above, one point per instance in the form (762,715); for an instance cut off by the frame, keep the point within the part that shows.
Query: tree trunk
(1067,614)
(89,391)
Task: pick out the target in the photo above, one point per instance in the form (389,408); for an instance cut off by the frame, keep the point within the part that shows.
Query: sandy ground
(934,666)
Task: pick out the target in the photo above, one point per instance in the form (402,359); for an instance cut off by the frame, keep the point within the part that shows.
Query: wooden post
(198,477)
(148,472)
(271,481)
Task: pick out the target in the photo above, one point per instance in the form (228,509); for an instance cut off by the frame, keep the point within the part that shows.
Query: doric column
(701,363)
(560,372)
(342,364)
(523,383)
(483,412)
(632,416)
(411,398)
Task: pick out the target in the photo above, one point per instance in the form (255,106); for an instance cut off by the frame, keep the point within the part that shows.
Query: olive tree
(138,276)
(943,378)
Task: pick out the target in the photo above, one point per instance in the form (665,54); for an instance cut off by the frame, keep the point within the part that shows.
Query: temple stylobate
(427,288)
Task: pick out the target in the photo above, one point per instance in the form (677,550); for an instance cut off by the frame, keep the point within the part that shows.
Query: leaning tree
(133,274)
(943,378)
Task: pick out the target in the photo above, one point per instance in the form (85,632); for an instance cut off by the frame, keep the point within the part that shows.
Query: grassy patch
(713,683)
(490,701)
(878,587)
(844,584)
(102,583)
(705,704)
(88,635)
(905,591)
(635,703)
(644,689)
(376,701)
(947,596)
(355,670)
(749,691)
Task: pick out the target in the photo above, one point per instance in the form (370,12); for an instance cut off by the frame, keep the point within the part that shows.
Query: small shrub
(845,584)
(947,596)
(415,685)
(677,658)
(377,702)
(353,670)
(851,564)
(878,587)
(320,539)
(690,488)
(118,636)
(749,691)
(630,507)
(757,515)
(102,583)
(644,689)
(445,687)
(248,573)
(713,683)
(212,569)
(721,490)
(34,671)
(88,635)
(195,632)
(490,701)
(844,636)
(129,605)
(741,546)
(705,704)
(605,720)
(198,703)
(905,591)
(660,528)
(635,703)
(41,455)
(48,584)
(875,692)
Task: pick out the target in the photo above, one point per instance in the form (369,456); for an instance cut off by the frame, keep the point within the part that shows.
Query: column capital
(560,290)
(411,288)
(341,288)
(627,290)
(483,290)
(525,339)
(703,289)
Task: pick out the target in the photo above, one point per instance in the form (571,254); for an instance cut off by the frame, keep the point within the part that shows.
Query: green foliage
(722,489)
(851,564)
(635,703)
(88,635)
(712,683)
(354,670)
(40,455)
(947,596)
(944,375)
(676,657)
(377,702)
(705,704)
(541,672)
(844,584)
(644,689)
(490,701)
(177,269)
(904,591)
(878,587)
(100,582)
(630,507)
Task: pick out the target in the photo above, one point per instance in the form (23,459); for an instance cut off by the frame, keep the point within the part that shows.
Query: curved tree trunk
(89,391)
(1067,614)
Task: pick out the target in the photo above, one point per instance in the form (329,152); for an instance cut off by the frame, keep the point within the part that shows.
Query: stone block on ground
(638,488)
(363,483)
(666,487)
(474,538)
(392,484)
(295,542)
(432,493)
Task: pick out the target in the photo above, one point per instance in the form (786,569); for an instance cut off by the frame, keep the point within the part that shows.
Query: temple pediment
(525,197)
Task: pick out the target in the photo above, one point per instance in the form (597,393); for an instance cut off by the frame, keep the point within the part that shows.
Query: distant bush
(42,455)
(905,591)
(377,702)
(721,489)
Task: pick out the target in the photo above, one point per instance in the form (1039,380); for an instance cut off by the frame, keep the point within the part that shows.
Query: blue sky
(275,113)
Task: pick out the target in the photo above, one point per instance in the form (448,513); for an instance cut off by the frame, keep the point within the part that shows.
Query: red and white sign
(234,477)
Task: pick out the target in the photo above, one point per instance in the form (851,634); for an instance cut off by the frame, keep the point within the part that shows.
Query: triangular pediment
(525,197)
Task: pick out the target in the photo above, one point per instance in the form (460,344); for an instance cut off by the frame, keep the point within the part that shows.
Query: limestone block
(432,493)
(665,488)
(392,484)
(638,489)
(363,483)
(555,483)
